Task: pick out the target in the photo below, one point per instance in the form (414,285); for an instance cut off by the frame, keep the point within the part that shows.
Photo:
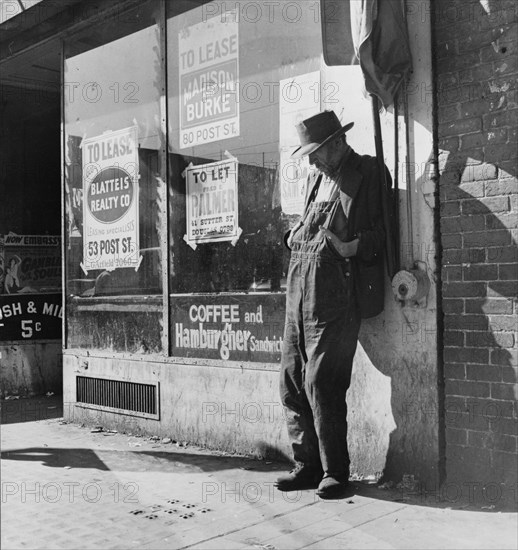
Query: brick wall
(476,61)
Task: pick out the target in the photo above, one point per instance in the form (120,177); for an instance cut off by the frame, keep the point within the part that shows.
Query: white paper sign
(293,178)
(209,74)
(299,99)
(212,203)
(110,200)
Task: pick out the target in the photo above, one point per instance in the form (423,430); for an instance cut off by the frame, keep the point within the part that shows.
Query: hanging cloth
(378,32)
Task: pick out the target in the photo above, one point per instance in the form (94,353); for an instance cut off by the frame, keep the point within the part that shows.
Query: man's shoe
(330,488)
(300,478)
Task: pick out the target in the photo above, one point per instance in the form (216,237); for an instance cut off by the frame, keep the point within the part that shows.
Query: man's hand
(345,250)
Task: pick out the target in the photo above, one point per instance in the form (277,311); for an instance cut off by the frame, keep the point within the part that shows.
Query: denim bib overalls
(320,337)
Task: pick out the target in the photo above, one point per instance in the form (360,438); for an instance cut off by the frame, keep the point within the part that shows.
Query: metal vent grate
(133,398)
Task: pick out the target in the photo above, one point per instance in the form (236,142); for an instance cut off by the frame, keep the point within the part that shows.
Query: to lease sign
(110,204)
(209,73)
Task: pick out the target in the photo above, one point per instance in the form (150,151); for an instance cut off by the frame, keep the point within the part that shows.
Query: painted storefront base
(29,369)
(237,410)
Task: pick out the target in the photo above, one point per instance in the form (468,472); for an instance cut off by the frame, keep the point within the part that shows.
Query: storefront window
(113,176)
(30,264)
(240,75)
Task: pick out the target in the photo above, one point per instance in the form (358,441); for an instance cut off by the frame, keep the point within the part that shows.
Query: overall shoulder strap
(312,190)
(310,195)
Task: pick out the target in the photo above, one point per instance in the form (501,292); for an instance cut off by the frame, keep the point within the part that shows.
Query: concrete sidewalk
(64,486)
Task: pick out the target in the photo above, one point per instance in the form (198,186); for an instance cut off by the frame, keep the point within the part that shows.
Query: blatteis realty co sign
(110,205)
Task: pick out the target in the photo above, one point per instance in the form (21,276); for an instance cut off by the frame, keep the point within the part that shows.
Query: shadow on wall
(394,402)
(480,258)
(475,415)
(480,264)
(478,165)
(479,288)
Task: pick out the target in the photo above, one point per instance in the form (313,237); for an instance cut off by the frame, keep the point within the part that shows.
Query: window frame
(168,298)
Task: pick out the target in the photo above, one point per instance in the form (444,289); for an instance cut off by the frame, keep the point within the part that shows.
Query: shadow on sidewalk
(172,461)
(167,461)
(57,458)
(443,497)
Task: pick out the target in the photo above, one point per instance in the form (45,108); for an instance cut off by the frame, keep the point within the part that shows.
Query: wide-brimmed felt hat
(316,131)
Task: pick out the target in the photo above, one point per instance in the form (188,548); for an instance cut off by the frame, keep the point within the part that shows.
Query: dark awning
(42,21)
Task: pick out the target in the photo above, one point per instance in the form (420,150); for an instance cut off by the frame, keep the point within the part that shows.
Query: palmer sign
(212,203)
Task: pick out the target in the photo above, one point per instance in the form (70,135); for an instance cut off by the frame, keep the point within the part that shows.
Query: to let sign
(212,203)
